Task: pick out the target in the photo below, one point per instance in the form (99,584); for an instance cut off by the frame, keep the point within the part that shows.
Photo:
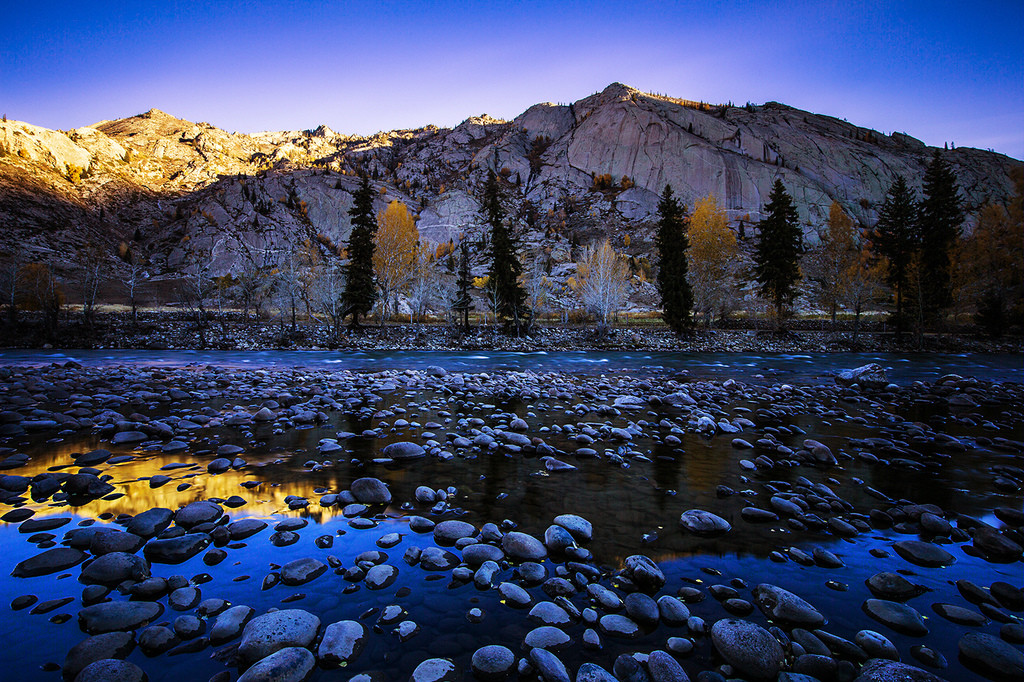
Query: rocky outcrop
(170,189)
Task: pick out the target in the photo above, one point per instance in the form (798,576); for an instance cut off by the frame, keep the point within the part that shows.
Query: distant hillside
(572,173)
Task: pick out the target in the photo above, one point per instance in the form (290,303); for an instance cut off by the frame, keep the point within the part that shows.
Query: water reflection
(635,509)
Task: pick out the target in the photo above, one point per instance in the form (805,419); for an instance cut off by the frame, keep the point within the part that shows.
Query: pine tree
(506,270)
(360,290)
(463,301)
(779,246)
(672,243)
(940,217)
(895,240)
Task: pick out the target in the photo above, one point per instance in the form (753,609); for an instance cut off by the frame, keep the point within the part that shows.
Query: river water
(634,504)
(804,368)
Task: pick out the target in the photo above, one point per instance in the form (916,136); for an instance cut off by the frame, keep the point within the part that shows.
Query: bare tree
(602,283)
(11,276)
(195,288)
(538,288)
(92,266)
(131,274)
(326,294)
(287,288)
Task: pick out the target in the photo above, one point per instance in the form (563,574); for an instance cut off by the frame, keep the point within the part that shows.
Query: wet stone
(748,647)
(117,616)
(435,670)
(50,561)
(289,664)
(923,553)
(277,630)
(96,648)
(111,670)
(302,571)
(493,662)
(900,617)
(994,657)
(342,643)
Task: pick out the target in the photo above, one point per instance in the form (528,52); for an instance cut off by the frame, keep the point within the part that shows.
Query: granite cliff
(572,173)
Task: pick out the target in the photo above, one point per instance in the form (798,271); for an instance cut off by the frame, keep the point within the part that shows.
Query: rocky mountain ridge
(572,173)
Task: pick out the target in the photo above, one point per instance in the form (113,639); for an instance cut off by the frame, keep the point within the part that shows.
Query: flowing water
(634,504)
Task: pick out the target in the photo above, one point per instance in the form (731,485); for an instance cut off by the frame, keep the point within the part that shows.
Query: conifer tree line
(915,263)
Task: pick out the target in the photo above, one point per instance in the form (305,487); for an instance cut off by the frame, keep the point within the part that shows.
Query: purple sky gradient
(941,71)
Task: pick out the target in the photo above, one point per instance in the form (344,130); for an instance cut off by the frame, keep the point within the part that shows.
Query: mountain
(572,173)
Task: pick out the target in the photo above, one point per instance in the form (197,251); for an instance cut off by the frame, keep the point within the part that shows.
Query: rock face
(166,178)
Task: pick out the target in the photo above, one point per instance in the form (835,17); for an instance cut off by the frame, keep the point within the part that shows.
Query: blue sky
(941,71)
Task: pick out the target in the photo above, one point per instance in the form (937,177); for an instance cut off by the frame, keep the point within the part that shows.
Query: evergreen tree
(672,243)
(895,240)
(779,245)
(506,270)
(940,217)
(463,301)
(360,289)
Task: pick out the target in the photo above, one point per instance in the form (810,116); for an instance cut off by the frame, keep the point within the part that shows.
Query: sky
(940,71)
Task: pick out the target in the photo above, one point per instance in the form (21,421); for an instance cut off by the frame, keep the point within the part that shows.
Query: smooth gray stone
(118,616)
(277,630)
(290,664)
(749,648)
(900,617)
(96,648)
(342,643)
(111,670)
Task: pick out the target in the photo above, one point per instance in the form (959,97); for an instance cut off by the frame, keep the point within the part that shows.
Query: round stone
(493,662)
(277,630)
(748,647)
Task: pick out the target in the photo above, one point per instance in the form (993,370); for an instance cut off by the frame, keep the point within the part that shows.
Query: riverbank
(171,330)
(502,524)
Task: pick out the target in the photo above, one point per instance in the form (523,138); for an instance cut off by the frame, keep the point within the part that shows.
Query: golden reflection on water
(130,480)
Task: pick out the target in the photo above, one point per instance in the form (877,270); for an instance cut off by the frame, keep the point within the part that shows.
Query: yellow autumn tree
(713,259)
(988,265)
(394,259)
(825,265)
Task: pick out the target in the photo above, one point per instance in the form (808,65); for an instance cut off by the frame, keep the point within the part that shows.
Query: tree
(11,282)
(195,287)
(860,280)
(41,290)
(92,262)
(506,270)
(602,283)
(326,292)
(360,291)
(131,273)
(713,259)
(894,240)
(672,244)
(989,265)
(827,262)
(940,218)
(776,256)
(538,287)
(394,259)
(463,300)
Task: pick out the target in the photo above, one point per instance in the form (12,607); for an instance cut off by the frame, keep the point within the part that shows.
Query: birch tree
(602,283)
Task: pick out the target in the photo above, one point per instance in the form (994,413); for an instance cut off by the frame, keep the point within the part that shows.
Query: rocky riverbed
(196,522)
